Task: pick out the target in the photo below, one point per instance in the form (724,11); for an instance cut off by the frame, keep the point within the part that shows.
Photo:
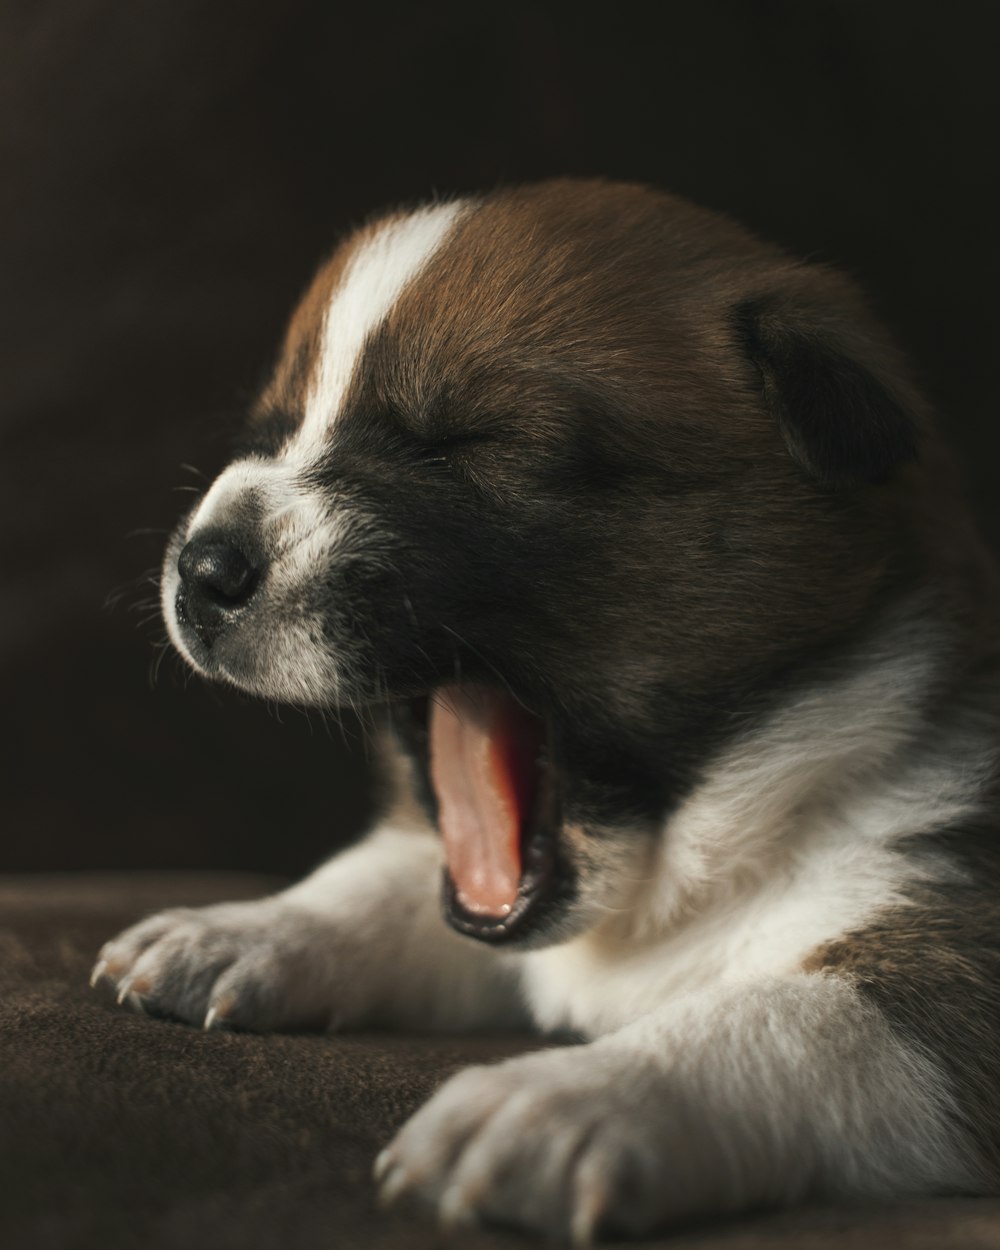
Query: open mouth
(491,770)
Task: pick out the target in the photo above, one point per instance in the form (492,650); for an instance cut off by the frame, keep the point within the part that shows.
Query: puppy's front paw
(259,965)
(560,1143)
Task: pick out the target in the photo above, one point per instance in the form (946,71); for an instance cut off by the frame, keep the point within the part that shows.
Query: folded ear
(836,390)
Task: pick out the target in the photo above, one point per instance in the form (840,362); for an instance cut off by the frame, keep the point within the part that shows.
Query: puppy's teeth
(395,1183)
(98,972)
(381,1166)
(455,1210)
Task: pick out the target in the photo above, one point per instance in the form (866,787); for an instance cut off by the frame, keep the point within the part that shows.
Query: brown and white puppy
(640,532)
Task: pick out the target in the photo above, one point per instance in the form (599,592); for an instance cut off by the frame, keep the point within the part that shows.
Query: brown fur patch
(933,970)
(578,339)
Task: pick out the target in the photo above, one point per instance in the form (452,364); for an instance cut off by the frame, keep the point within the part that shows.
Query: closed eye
(433,455)
(445,450)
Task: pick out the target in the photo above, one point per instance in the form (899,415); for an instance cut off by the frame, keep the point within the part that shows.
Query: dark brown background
(170,171)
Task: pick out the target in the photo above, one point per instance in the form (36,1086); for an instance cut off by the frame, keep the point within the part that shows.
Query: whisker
(148,577)
(485,660)
(163,649)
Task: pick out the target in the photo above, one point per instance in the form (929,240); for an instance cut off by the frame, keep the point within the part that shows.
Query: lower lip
(532,909)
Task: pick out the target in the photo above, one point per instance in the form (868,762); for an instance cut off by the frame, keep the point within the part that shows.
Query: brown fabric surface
(121,1131)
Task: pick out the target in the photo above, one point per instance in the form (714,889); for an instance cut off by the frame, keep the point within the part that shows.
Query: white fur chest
(605,979)
(795,838)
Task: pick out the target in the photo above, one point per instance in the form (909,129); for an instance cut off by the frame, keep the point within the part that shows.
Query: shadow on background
(170,173)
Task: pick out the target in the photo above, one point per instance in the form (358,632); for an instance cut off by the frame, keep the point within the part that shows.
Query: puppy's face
(568,476)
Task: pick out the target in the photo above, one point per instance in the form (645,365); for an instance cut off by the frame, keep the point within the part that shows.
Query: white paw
(562,1143)
(257,965)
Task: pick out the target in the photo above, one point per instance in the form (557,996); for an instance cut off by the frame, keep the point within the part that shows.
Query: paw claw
(98,972)
(455,1210)
(396,1182)
(583,1226)
(130,992)
(219,1012)
(591,1204)
(383,1163)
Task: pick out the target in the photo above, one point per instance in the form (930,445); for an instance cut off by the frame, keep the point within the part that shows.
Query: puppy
(639,531)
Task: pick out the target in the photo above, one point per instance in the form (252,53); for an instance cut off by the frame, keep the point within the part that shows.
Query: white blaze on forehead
(299,528)
(375,277)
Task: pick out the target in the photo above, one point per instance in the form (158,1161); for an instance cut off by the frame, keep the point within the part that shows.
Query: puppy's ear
(837,393)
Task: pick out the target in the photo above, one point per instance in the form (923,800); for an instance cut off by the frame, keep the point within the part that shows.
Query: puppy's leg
(361,941)
(751,1095)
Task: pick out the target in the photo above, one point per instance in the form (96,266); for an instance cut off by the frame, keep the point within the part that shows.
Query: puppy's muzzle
(217,581)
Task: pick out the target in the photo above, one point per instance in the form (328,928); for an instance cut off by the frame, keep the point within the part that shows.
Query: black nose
(218,569)
(217,579)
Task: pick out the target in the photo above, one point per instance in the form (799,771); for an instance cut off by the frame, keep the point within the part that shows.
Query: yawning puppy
(638,530)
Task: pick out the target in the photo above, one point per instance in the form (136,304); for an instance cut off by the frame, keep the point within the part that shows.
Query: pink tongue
(482,747)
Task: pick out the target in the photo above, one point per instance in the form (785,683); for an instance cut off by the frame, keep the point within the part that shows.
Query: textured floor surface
(122,1131)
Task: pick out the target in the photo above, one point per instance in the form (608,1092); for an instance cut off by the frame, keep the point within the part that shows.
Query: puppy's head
(568,476)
